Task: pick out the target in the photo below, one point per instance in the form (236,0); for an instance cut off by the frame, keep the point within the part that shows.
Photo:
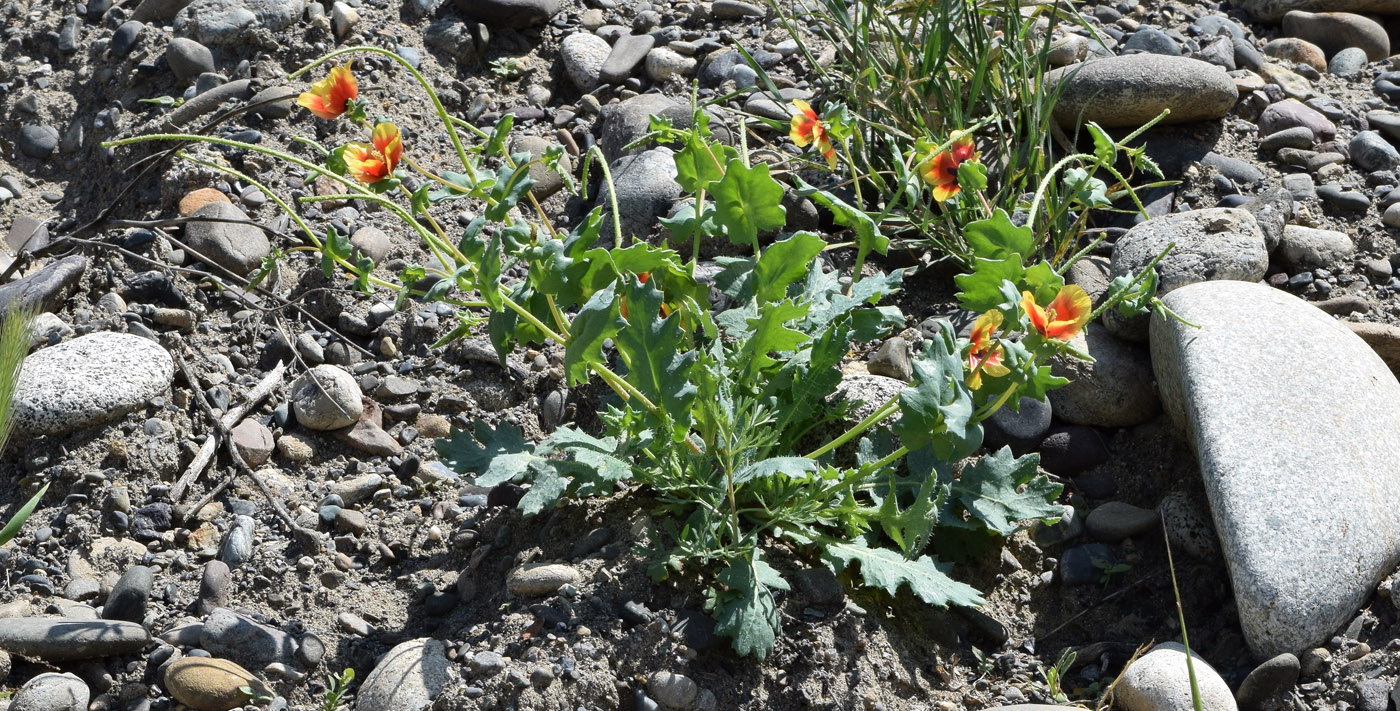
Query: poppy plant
(807,129)
(1065,315)
(328,98)
(370,163)
(984,355)
(642,279)
(941,169)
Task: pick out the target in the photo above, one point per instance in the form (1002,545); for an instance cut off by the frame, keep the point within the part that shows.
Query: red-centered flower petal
(806,127)
(327,98)
(389,142)
(1069,312)
(1034,313)
(365,163)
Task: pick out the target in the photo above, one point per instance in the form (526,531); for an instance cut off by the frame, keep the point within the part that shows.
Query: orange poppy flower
(984,355)
(1064,317)
(807,129)
(941,169)
(371,163)
(328,97)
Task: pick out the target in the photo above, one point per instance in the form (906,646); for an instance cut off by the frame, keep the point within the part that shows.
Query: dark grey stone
(508,13)
(37,141)
(626,55)
(129,596)
(1266,681)
(125,38)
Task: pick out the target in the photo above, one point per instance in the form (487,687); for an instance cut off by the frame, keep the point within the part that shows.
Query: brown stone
(368,435)
(199,198)
(254,442)
(208,684)
(1383,338)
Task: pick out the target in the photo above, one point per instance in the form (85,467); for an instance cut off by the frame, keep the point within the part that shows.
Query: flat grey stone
(408,678)
(1132,89)
(237,637)
(188,59)
(1336,31)
(239,248)
(1310,248)
(1370,152)
(1302,497)
(626,54)
(88,381)
(56,639)
(224,22)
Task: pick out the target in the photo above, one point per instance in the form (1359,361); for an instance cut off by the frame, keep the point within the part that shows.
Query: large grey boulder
(1130,90)
(1294,422)
(88,381)
(646,188)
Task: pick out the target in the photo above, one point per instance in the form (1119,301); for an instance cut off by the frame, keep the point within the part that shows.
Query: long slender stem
(884,411)
(612,195)
(887,460)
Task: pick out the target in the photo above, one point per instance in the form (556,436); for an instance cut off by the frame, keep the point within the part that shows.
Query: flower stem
(890,407)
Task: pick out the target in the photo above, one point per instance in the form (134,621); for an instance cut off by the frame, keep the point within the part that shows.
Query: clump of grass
(14,346)
(914,72)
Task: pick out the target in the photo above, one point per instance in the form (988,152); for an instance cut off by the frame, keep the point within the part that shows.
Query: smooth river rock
(1274,10)
(1293,420)
(410,676)
(88,381)
(1335,31)
(1210,244)
(1160,681)
(56,639)
(1130,90)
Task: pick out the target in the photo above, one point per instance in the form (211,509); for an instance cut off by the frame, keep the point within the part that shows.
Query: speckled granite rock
(1293,419)
(89,380)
